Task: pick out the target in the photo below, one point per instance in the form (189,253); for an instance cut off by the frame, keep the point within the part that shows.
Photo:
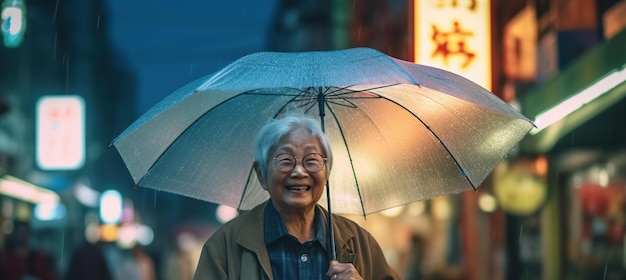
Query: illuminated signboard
(455,35)
(60,132)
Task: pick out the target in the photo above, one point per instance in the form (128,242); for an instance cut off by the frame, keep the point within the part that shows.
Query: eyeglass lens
(311,162)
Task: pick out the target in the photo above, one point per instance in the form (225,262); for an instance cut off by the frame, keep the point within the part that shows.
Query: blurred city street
(75,74)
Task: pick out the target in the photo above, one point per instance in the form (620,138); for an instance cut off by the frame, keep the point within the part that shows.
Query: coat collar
(253,240)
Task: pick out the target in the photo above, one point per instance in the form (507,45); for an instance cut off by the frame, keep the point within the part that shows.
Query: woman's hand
(343,271)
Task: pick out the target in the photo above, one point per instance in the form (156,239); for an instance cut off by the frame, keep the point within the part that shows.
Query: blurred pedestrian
(138,265)
(18,261)
(416,259)
(286,236)
(182,257)
(88,262)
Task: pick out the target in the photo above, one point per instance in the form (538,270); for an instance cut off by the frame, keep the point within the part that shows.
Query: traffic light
(13,22)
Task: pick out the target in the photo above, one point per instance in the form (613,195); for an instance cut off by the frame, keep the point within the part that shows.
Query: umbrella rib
(346,90)
(199,117)
(340,93)
(181,133)
(309,104)
(463,173)
(356,180)
(245,188)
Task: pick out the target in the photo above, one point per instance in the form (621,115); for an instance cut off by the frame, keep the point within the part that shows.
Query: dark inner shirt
(289,258)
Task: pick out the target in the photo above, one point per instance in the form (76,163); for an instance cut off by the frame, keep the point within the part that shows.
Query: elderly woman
(286,237)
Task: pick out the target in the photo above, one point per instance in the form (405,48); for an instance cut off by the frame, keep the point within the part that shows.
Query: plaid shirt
(291,259)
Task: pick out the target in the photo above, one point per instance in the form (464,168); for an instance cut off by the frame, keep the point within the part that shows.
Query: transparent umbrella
(400,132)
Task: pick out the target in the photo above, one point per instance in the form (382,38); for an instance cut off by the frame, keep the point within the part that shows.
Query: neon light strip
(23,190)
(573,103)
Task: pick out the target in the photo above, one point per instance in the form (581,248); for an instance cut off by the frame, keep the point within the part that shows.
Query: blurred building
(579,230)
(65,52)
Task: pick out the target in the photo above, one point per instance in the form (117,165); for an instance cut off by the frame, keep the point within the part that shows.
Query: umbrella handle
(331,232)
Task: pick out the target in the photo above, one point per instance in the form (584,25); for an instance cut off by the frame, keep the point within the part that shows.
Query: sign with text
(60,132)
(454,35)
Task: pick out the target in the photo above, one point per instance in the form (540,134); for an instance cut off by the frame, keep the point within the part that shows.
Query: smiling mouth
(298,188)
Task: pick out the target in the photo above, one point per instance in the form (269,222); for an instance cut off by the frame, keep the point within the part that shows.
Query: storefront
(584,140)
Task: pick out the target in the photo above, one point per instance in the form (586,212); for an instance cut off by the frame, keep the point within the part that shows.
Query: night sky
(170,43)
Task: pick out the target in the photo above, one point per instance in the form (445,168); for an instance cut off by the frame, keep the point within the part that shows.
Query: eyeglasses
(312,163)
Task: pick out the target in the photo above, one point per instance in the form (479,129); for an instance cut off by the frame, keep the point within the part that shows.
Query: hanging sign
(454,35)
(60,132)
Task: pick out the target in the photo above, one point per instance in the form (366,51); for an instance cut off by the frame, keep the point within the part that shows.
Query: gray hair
(270,134)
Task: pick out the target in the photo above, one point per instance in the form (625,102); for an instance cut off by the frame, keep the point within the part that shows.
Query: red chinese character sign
(454,35)
(60,132)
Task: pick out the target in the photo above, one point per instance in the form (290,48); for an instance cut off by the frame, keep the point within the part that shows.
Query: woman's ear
(259,176)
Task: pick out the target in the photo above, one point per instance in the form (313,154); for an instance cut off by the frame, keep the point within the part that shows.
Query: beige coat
(237,250)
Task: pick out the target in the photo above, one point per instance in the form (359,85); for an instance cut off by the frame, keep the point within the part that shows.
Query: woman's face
(298,189)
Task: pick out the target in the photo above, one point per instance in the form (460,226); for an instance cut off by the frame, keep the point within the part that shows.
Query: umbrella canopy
(400,132)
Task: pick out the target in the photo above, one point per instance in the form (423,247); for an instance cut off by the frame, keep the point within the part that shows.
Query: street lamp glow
(50,211)
(111,207)
(225,213)
(487,202)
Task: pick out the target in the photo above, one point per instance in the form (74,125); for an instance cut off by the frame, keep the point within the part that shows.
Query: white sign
(60,132)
